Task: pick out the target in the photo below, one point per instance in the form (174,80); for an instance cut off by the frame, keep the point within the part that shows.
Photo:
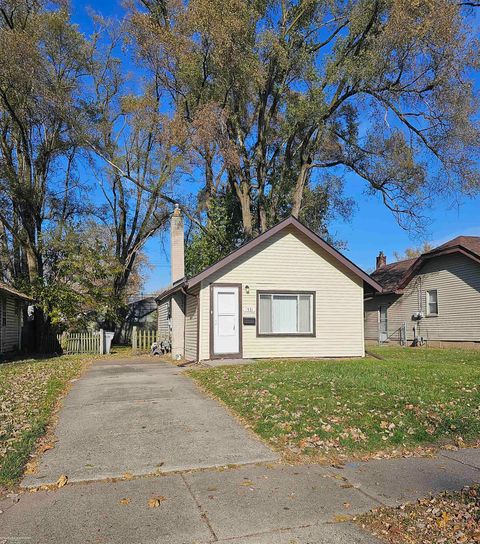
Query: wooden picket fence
(81,342)
(142,339)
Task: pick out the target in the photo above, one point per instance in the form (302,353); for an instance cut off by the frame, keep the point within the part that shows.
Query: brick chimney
(381,260)
(177,245)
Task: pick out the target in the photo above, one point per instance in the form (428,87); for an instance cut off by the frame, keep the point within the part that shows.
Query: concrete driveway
(267,503)
(142,416)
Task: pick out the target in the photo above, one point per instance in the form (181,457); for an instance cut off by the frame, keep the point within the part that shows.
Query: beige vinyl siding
(191,325)
(10,335)
(290,261)
(457,281)
(163,323)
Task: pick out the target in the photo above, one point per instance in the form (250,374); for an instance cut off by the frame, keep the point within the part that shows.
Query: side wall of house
(10,334)
(291,261)
(396,316)
(164,320)
(191,325)
(457,281)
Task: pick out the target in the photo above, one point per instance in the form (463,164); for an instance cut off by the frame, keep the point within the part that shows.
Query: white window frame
(272,294)
(429,313)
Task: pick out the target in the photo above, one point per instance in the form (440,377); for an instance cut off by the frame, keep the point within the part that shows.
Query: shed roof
(4,288)
(248,246)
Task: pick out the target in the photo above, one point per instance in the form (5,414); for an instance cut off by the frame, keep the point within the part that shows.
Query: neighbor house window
(432,302)
(286,313)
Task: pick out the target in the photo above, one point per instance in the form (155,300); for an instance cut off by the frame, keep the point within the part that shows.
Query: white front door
(226,320)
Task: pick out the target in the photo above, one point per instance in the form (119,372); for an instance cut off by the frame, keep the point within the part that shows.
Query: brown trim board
(312,334)
(291,221)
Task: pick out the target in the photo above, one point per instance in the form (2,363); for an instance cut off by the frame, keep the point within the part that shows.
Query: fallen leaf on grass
(443,521)
(63,480)
(124,501)
(155,502)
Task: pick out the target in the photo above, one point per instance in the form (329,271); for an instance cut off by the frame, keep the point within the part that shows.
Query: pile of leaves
(447,518)
(410,402)
(29,391)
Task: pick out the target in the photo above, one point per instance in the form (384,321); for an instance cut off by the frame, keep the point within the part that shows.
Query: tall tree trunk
(299,188)
(243,194)
(262,214)
(209,184)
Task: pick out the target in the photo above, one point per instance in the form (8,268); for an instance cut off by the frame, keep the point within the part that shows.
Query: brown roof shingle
(394,276)
(471,243)
(391,275)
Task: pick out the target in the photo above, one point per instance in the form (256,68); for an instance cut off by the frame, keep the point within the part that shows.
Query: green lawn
(355,407)
(29,391)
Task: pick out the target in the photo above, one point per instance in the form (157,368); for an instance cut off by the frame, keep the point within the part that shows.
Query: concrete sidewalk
(264,504)
(142,416)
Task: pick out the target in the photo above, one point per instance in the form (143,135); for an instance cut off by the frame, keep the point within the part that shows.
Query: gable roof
(4,288)
(472,243)
(390,275)
(395,276)
(248,246)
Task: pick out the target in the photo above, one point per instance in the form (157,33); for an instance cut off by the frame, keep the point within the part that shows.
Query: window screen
(432,302)
(285,313)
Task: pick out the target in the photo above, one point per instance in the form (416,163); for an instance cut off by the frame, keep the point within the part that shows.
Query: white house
(286,293)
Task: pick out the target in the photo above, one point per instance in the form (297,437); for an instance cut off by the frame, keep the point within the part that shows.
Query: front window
(432,302)
(286,313)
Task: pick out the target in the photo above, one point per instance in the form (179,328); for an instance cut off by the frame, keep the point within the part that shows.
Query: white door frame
(239,354)
(380,332)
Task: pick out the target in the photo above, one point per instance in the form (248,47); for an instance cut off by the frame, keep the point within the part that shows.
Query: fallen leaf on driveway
(62,481)
(155,502)
(124,501)
(127,476)
(341,518)
(247,483)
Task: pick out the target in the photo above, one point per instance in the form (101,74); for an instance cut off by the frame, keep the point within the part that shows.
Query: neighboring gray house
(286,293)
(434,298)
(142,313)
(12,303)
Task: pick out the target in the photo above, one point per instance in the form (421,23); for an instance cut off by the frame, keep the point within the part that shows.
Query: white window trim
(312,294)
(427,295)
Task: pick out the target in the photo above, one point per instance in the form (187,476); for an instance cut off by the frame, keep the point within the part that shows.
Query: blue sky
(372,227)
